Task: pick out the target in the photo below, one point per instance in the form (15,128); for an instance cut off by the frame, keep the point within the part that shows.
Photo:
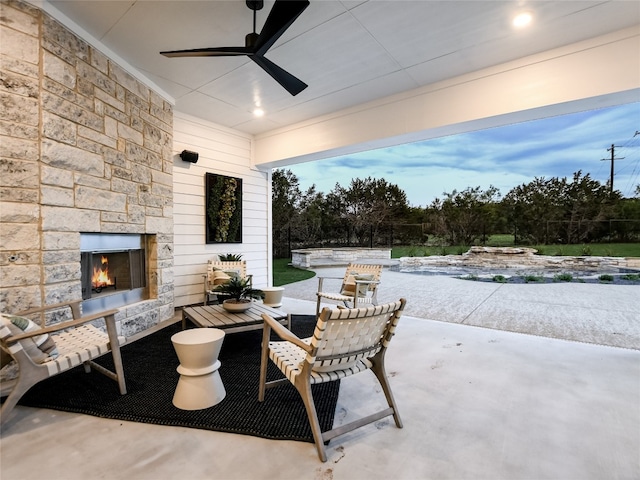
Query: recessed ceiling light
(522,19)
(258,112)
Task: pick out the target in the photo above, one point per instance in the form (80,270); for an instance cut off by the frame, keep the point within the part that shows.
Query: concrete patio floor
(593,313)
(550,399)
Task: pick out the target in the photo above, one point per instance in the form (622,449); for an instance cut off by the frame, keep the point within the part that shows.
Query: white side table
(200,385)
(273,296)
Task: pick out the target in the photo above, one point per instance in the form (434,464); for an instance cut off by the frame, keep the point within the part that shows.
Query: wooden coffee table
(217,317)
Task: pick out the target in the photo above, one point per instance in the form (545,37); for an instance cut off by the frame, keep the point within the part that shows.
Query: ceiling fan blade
(210,52)
(291,84)
(282,15)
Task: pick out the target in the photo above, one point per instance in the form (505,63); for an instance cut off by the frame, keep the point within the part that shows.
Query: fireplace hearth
(113,270)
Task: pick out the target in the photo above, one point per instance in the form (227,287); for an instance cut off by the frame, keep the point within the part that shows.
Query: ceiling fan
(282,15)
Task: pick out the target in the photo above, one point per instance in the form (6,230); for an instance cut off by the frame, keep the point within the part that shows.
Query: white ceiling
(348,51)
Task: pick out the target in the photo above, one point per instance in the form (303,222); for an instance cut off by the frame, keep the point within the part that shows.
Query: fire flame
(100,276)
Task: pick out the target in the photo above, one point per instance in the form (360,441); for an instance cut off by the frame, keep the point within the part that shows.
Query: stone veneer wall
(520,258)
(317,257)
(84,147)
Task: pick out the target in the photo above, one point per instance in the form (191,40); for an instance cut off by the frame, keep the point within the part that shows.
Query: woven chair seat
(77,346)
(289,359)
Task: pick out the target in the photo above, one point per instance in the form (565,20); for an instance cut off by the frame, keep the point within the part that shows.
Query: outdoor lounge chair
(359,286)
(40,355)
(220,272)
(345,342)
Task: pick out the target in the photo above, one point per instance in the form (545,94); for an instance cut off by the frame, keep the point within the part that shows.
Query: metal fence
(388,235)
(396,234)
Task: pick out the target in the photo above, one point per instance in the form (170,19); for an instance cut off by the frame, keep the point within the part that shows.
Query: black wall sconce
(189,156)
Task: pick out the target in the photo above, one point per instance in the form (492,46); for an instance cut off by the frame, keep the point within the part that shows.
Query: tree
(588,207)
(541,211)
(531,207)
(285,197)
(466,216)
(370,204)
(628,227)
(312,217)
(555,210)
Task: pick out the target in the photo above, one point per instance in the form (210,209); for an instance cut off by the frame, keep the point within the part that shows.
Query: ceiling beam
(594,73)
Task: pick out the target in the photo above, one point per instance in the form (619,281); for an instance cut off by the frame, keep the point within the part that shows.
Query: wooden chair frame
(370,329)
(352,301)
(97,344)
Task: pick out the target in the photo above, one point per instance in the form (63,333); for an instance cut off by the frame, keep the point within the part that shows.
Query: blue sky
(503,157)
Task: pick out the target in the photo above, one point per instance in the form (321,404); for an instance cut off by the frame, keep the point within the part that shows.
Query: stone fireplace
(87,170)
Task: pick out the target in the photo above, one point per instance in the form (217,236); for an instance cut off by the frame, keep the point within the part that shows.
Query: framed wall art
(223,209)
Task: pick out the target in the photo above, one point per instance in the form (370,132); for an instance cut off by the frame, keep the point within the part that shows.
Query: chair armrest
(285,334)
(367,282)
(108,316)
(322,279)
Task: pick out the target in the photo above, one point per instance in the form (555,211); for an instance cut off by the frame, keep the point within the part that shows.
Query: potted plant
(240,294)
(230,257)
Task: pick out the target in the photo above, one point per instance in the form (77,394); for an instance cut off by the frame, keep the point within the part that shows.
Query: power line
(633,162)
(612,160)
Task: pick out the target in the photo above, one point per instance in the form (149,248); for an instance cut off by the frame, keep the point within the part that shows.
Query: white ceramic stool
(273,296)
(200,385)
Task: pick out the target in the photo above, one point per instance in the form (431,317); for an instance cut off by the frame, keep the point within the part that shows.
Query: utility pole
(612,160)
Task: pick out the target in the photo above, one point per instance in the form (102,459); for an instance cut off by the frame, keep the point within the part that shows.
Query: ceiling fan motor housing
(255,4)
(250,39)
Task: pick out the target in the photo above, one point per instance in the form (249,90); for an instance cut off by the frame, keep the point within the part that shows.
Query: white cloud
(503,157)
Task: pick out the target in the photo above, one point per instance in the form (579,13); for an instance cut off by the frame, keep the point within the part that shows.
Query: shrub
(500,279)
(606,278)
(631,276)
(586,251)
(563,277)
(533,279)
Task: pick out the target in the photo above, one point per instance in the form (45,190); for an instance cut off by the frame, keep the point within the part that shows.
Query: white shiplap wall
(226,152)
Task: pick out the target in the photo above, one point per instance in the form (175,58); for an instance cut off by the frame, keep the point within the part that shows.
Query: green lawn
(283,273)
(596,249)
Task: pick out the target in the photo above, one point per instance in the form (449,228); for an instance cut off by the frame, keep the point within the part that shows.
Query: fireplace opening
(109,272)
(113,270)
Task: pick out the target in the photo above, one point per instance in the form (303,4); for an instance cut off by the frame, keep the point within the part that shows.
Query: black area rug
(151,376)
